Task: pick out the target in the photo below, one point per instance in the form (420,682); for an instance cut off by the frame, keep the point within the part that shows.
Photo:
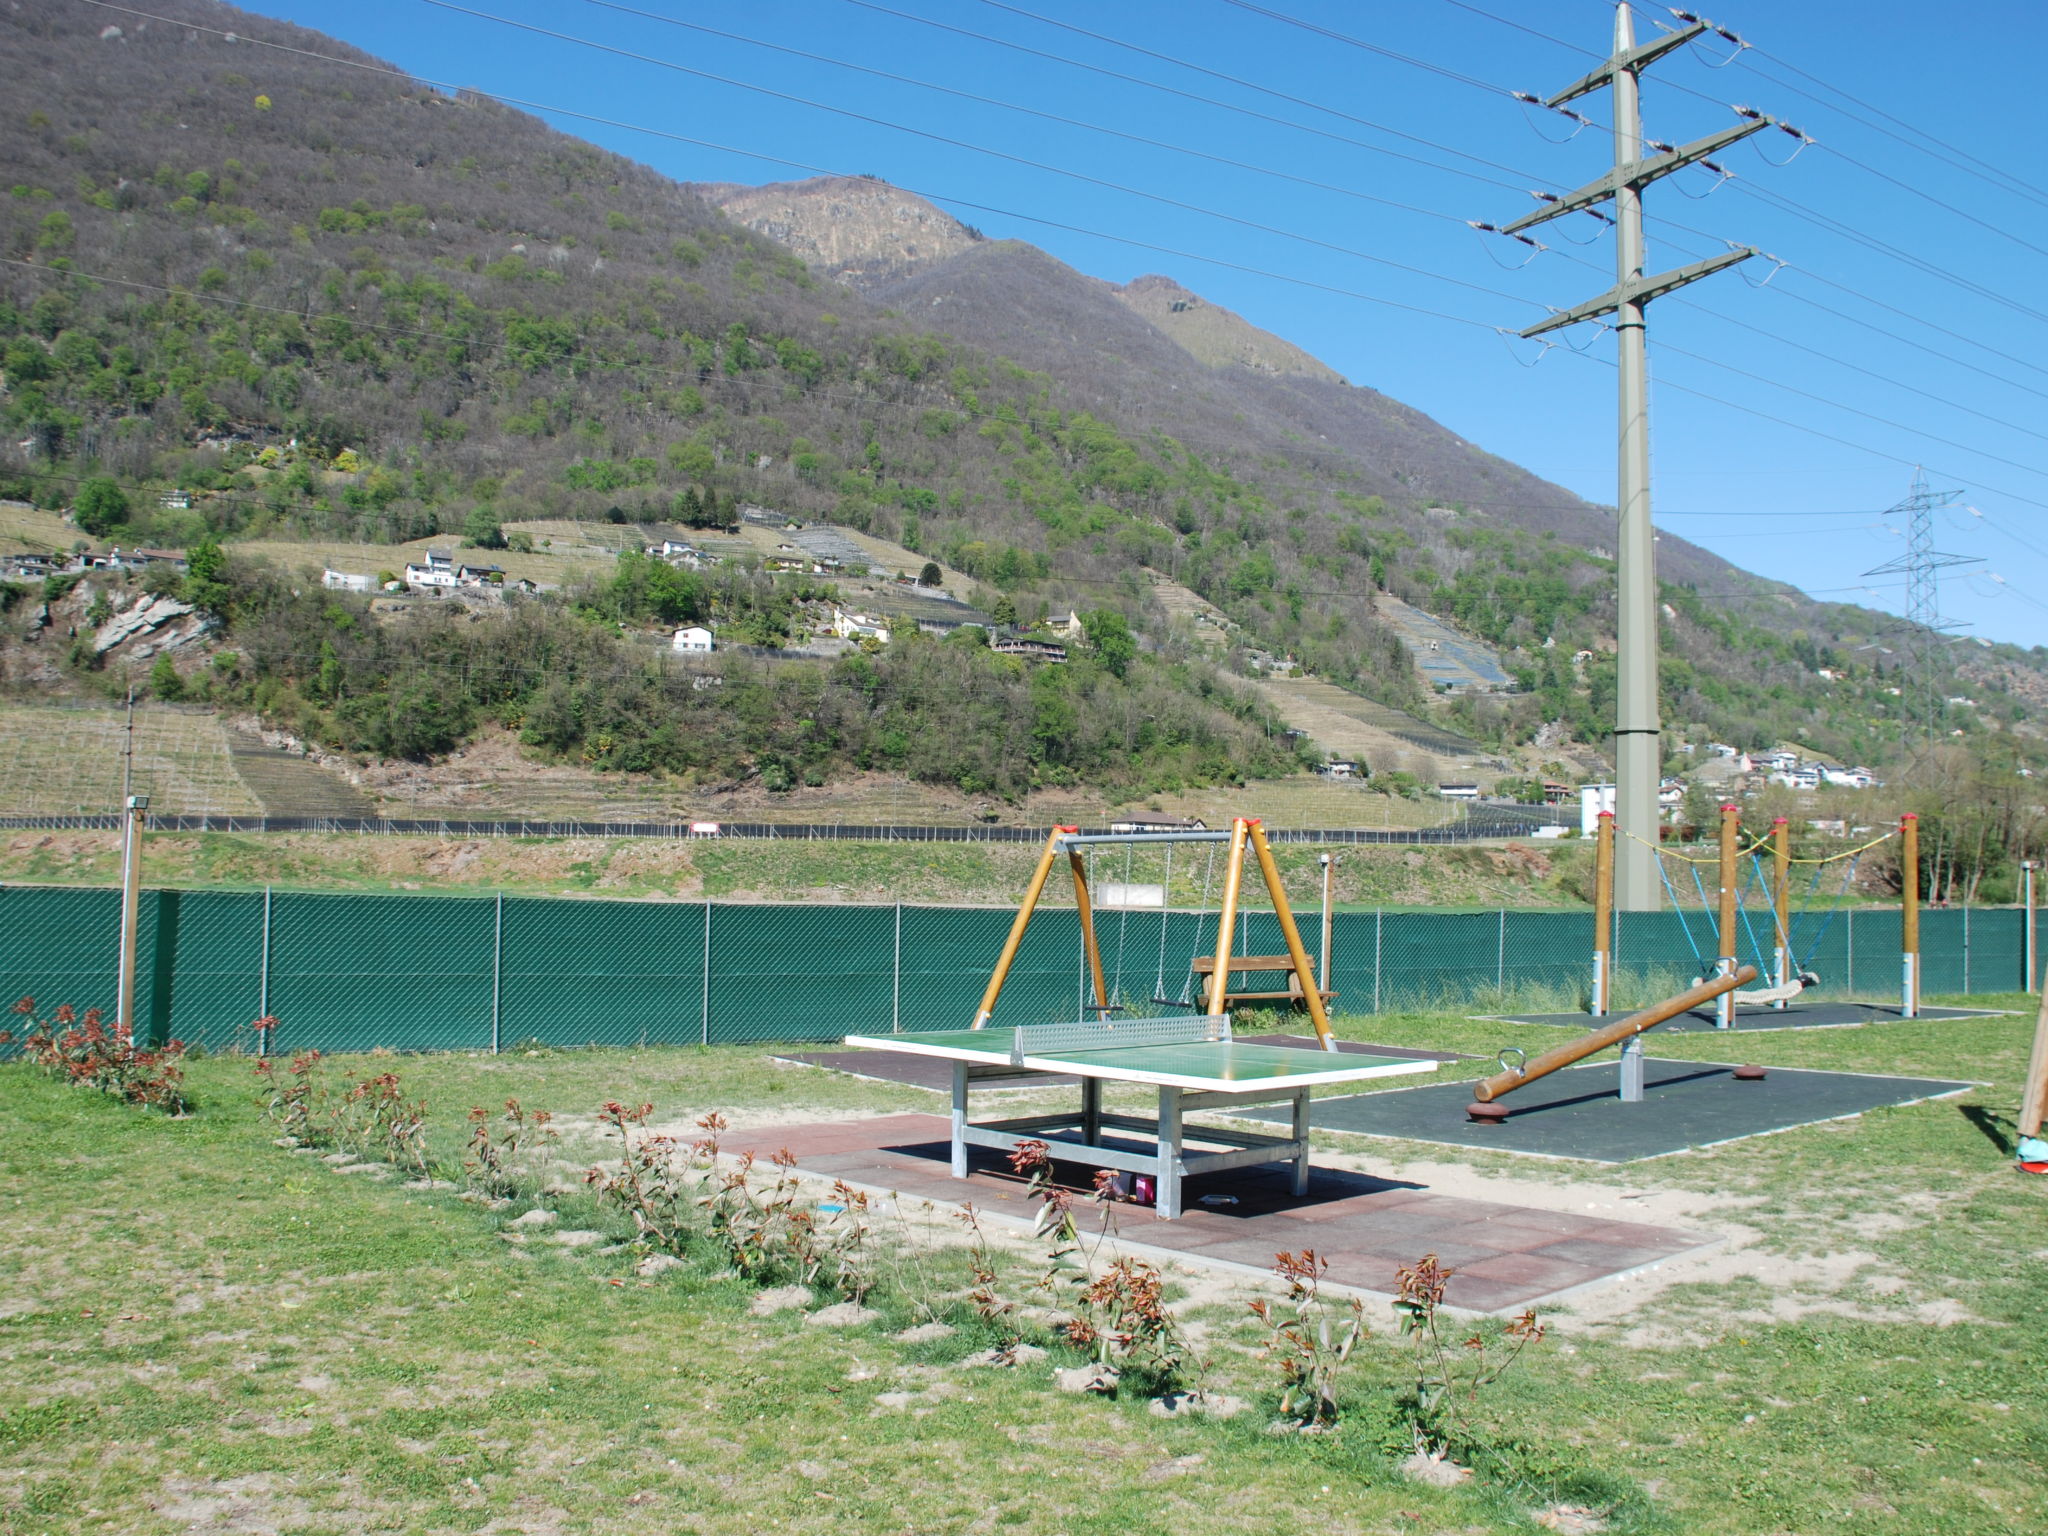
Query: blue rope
(1678,906)
(1826,923)
(1763,958)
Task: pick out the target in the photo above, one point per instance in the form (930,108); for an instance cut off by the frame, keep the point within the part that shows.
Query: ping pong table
(1193,1062)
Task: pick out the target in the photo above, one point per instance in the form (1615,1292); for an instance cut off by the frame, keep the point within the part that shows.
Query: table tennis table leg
(1301,1143)
(1166,1198)
(1091,1111)
(959,1119)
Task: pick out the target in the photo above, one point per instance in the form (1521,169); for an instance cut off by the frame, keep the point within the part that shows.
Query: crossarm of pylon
(1635,58)
(1641,291)
(1638,174)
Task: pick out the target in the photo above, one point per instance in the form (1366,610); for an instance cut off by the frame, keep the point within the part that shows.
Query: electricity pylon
(1638,759)
(1924,624)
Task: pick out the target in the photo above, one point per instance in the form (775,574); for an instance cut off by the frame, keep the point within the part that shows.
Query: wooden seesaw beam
(1610,1034)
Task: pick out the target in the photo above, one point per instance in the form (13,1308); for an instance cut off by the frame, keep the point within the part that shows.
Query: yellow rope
(1665,853)
(1850,854)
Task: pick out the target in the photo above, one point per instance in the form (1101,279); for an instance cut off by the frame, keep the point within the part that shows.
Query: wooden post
(134,813)
(2034,1096)
(1233,874)
(1088,945)
(1603,914)
(1023,918)
(1909,916)
(1781,900)
(1611,1034)
(1731,835)
(1305,973)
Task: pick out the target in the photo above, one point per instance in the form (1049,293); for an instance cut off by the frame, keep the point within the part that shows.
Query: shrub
(87,1051)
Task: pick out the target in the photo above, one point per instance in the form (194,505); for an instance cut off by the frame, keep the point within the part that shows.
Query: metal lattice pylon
(1925,627)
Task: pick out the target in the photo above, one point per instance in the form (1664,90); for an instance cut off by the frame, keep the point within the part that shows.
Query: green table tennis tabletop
(1223,1066)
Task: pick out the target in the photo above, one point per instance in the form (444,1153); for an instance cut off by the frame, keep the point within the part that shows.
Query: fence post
(497,966)
(1500,955)
(263,980)
(1966,945)
(1849,919)
(704,1026)
(896,982)
(1378,915)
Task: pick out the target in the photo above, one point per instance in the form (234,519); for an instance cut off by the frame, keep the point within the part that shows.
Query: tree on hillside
(930,576)
(102,506)
(1109,639)
(482,529)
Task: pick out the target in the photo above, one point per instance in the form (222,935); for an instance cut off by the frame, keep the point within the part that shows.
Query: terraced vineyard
(68,762)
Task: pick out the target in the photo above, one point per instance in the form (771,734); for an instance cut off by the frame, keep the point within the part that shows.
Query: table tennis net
(1118,1034)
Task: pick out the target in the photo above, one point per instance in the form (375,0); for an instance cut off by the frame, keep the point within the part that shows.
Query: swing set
(1784,953)
(1204,981)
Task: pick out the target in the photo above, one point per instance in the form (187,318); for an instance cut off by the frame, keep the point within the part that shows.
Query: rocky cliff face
(853,229)
(1217,336)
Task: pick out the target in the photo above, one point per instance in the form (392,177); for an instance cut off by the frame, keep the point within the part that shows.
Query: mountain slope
(330,302)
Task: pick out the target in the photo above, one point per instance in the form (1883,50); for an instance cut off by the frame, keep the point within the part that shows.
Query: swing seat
(1784,994)
(1205,965)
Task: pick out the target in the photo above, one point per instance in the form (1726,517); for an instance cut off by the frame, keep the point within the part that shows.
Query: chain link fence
(351,972)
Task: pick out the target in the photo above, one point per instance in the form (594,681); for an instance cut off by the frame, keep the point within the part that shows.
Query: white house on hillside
(858,626)
(435,573)
(347,581)
(693,638)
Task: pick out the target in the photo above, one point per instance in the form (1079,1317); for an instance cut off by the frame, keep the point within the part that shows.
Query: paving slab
(1508,1256)
(1578,1113)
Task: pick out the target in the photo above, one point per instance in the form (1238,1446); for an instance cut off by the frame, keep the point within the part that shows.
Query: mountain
(1215,336)
(260,293)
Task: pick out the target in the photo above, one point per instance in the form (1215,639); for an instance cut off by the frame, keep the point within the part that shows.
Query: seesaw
(1622,1032)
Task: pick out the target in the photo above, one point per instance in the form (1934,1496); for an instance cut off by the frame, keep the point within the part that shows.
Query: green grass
(200,1329)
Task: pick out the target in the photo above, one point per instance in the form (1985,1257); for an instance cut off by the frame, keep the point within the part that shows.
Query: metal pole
(704,1025)
(1500,954)
(1909,916)
(137,806)
(263,979)
(2027,974)
(497,966)
(896,986)
(1378,918)
(1603,914)
(1637,728)
(1781,899)
(1326,862)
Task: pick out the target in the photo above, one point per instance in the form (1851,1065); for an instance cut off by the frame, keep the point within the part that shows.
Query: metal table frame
(1169,1163)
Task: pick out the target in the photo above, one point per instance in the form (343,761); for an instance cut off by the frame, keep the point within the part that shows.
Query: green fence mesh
(354,972)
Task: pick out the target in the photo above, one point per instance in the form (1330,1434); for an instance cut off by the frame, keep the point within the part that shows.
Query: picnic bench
(1205,965)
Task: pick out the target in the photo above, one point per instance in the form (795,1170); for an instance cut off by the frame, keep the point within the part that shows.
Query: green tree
(101,507)
(206,585)
(930,576)
(482,529)
(1109,639)
(1004,610)
(164,680)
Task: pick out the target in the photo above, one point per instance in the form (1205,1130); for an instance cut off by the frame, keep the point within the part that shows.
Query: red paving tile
(1507,1256)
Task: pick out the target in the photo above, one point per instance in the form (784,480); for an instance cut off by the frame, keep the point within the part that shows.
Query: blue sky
(1790,487)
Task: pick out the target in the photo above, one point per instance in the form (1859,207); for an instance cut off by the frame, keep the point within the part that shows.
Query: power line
(1986,169)
(1169,90)
(1051,117)
(981,149)
(1249,85)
